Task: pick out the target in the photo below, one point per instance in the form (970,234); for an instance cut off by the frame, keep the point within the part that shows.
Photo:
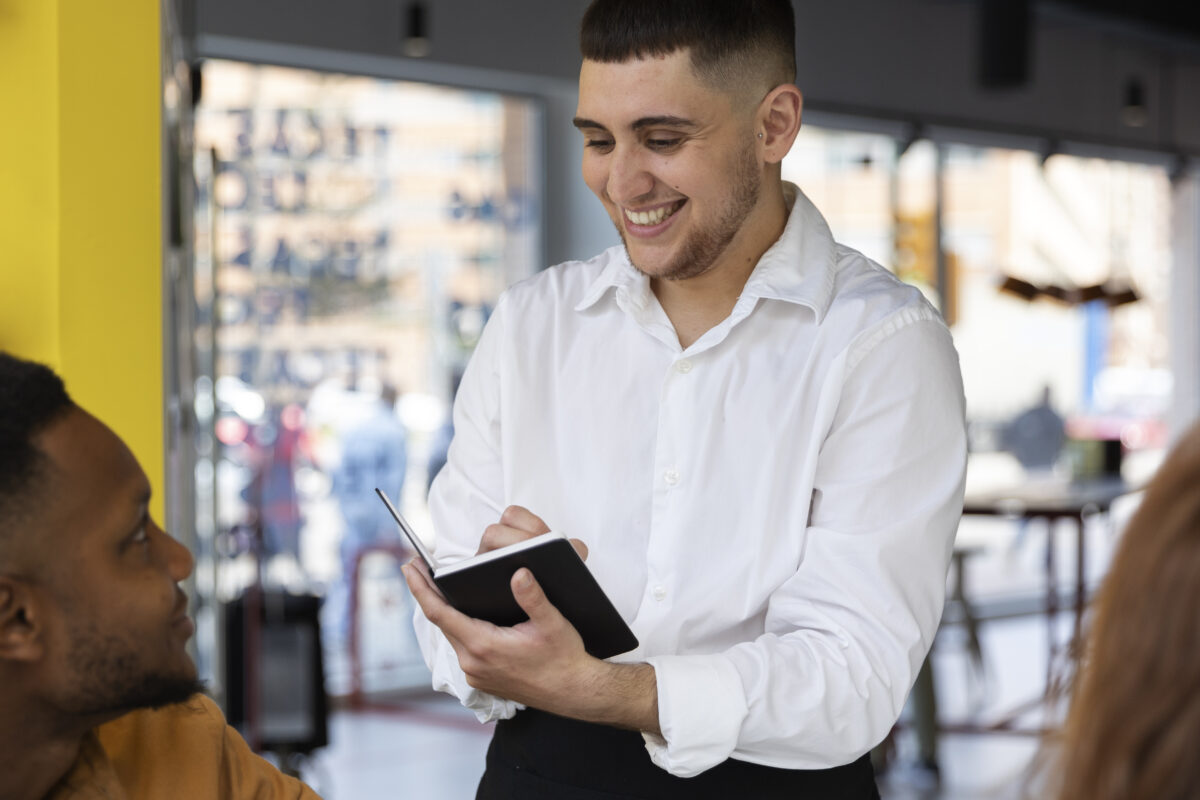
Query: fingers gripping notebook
(480,586)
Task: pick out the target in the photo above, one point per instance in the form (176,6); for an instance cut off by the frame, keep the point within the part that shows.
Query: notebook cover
(484,591)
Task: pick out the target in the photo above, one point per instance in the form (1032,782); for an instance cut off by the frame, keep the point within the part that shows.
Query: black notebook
(480,586)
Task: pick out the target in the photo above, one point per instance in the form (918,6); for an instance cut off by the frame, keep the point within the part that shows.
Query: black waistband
(539,756)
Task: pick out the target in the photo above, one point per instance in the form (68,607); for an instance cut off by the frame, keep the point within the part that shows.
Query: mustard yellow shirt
(182,752)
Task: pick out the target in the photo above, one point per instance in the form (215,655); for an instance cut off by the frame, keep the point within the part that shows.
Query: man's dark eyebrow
(666,119)
(581,123)
(640,124)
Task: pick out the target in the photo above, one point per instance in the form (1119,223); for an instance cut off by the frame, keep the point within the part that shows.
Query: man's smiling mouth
(654,216)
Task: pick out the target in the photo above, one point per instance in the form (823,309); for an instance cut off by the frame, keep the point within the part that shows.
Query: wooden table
(1054,500)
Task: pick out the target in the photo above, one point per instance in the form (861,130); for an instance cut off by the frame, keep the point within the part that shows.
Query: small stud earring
(760,136)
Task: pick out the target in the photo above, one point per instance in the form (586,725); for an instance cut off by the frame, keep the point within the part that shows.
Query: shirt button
(671,477)
(660,593)
(684,367)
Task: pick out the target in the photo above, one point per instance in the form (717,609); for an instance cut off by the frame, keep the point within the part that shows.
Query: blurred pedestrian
(374,453)
(276,448)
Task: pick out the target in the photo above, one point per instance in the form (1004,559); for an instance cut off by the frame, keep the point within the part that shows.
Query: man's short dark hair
(730,41)
(32,397)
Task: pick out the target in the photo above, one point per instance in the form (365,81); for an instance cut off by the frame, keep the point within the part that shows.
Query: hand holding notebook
(479,586)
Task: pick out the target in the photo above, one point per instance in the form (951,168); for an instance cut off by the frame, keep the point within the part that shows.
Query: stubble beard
(109,676)
(701,251)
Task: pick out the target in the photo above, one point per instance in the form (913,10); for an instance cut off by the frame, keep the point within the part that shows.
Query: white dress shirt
(772,510)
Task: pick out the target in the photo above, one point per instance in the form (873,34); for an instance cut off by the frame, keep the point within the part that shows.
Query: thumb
(580,548)
(530,597)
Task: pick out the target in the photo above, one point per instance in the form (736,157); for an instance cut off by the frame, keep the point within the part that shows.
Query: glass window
(877,197)
(848,176)
(353,235)
(1053,276)
(1062,271)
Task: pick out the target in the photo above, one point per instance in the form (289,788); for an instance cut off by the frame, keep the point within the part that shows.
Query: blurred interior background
(303,218)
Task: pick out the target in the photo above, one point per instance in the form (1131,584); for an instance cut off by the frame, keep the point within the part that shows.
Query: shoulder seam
(888,326)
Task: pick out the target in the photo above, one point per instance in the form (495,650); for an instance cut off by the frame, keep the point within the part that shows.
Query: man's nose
(628,177)
(180,561)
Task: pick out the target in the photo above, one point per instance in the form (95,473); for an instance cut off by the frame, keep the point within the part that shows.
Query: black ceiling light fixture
(1180,165)
(416,31)
(1005,41)
(1133,104)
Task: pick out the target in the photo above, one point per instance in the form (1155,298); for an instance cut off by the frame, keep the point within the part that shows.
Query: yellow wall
(29,178)
(80,206)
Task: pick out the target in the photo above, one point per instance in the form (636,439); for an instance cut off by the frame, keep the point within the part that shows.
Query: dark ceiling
(1172,19)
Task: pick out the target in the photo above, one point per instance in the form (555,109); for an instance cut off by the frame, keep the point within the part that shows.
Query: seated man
(98,697)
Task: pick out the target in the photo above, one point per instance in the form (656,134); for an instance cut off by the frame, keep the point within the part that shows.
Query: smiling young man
(98,696)
(757,432)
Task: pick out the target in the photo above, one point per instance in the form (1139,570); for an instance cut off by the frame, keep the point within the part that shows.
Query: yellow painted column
(29,213)
(80,206)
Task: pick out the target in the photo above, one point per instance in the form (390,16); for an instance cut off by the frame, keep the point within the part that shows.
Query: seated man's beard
(110,676)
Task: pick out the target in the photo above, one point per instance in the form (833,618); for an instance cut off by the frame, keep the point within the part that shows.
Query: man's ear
(21,630)
(779,121)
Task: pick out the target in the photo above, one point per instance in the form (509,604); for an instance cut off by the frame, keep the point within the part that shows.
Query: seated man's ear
(21,634)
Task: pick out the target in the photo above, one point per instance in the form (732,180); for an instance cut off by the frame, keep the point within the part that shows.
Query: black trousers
(539,756)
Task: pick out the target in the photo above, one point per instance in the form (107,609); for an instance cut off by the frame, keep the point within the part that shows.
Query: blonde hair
(1134,724)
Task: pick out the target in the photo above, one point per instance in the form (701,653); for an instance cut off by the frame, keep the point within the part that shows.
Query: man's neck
(697,304)
(35,753)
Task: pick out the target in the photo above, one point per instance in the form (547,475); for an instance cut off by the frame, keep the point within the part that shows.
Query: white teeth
(650,217)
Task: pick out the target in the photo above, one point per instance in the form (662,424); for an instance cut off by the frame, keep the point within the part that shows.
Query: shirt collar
(802,264)
(798,268)
(618,273)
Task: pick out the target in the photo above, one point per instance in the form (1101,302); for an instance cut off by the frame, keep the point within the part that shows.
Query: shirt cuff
(448,677)
(701,708)
(487,707)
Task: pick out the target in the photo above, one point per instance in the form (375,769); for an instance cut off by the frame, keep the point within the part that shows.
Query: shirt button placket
(674,393)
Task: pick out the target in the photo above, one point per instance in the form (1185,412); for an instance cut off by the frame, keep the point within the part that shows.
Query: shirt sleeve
(844,636)
(245,774)
(466,497)
(184,750)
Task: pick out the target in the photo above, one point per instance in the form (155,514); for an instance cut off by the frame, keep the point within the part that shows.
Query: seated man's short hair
(32,397)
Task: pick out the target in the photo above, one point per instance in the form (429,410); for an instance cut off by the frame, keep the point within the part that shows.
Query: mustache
(181,604)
